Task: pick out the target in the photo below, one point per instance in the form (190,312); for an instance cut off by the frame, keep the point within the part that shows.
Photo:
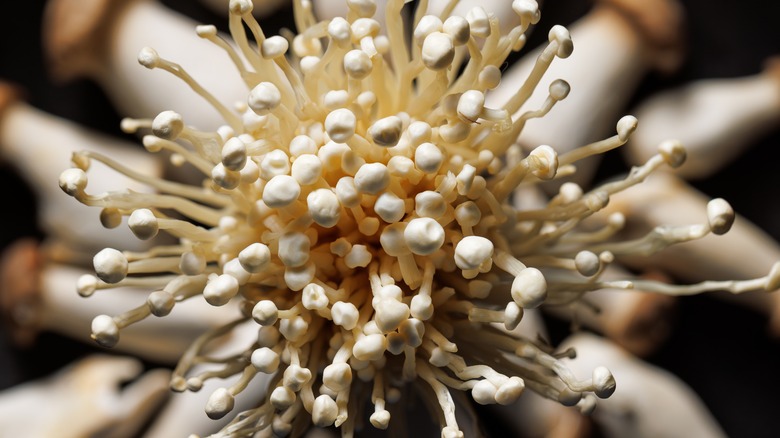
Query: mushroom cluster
(360,205)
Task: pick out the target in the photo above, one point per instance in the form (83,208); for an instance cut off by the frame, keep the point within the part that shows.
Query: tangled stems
(359,205)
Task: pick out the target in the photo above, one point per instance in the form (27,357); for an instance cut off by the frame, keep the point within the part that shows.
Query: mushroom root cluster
(359,205)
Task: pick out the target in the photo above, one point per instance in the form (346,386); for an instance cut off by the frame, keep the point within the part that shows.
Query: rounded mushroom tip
(324,411)
(73,181)
(110,265)
(86,285)
(545,162)
(720,216)
(380,419)
(168,125)
(625,127)
(438,51)
(206,30)
(143,224)
(673,152)
(529,289)
(587,263)
(603,382)
(340,125)
(559,89)
(149,58)
(424,236)
(471,252)
(160,303)
(562,36)
(274,47)
(265,313)
(240,7)
(105,331)
(528,10)
(220,403)
(387,131)
(510,391)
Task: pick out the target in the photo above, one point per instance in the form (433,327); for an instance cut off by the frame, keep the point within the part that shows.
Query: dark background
(722,351)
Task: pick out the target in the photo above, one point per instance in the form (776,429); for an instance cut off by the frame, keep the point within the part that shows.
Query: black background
(722,351)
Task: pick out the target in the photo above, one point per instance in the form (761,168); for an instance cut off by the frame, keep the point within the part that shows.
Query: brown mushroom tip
(20,290)
(662,25)
(73,32)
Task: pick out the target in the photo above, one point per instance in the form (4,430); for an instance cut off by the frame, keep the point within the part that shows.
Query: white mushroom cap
(294,249)
(472,252)
(105,331)
(510,391)
(274,163)
(484,392)
(458,29)
(265,312)
(529,289)
(389,207)
(220,290)
(110,265)
(344,314)
(168,125)
(282,398)
(265,97)
(265,360)
(302,144)
(220,403)
(438,51)
(324,411)
(192,263)
(255,257)
(372,178)
(388,314)
(73,181)
(234,154)
(430,204)
(340,124)
(281,191)
(428,157)
(143,224)
(424,236)
(386,131)
(274,47)
(720,216)
(313,297)
(587,263)
(357,64)
(324,207)
(370,347)
(603,382)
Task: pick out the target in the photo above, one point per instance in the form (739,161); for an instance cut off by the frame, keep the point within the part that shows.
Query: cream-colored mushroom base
(359,203)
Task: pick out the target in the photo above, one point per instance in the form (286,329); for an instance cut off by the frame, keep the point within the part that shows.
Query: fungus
(364,230)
